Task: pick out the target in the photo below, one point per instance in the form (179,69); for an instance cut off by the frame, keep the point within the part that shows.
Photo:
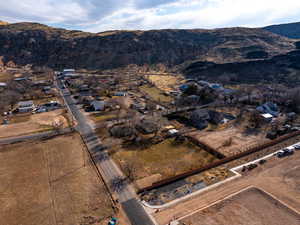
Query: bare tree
(129,170)
(57,126)
(255,119)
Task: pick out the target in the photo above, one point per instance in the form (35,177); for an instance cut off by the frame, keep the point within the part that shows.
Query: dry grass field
(50,182)
(164,82)
(156,94)
(250,207)
(33,123)
(166,158)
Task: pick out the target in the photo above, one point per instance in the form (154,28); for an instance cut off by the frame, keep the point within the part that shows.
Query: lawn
(156,94)
(166,158)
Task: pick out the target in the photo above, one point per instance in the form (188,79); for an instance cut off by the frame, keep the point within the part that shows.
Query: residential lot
(252,206)
(165,82)
(34,123)
(156,94)
(51,182)
(163,160)
(237,138)
(278,177)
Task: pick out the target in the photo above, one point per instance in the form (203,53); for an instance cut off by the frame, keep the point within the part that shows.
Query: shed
(25,106)
(98,105)
(270,108)
(147,127)
(267,116)
(172,132)
(3,84)
(119,93)
(68,71)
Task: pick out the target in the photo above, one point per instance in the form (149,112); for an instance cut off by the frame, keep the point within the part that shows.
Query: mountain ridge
(33,43)
(290,30)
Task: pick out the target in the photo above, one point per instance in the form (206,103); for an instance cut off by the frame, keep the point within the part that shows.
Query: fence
(248,151)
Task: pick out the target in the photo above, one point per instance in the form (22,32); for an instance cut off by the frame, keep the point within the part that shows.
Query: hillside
(290,30)
(32,43)
(3,23)
(279,69)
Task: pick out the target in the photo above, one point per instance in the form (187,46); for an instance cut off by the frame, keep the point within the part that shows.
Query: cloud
(100,15)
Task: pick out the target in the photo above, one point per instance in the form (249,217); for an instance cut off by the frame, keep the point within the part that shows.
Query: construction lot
(251,206)
(277,177)
(51,182)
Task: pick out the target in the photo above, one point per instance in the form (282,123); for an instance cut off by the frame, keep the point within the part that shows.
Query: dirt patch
(279,177)
(35,123)
(251,206)
(165,82)
(4,77)
(292,178)
(238,141)
(50,182)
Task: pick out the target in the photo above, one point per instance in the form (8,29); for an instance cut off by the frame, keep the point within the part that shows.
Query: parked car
(252,166)
(263,161)
(297,147)
(285,152)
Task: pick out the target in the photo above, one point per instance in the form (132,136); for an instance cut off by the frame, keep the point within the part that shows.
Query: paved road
(40,135)
(110,172)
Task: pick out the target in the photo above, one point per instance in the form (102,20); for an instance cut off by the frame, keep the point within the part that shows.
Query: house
(291,115)
(25,106)
(172,132)
(46,88)
(147,127)
(122,131)
(98,105)
(215,117)
(199,118)
(270,108)
(40,83)
(139,106)
(120,94)
(267,117)
(68,71)
(2,85)
(20,79)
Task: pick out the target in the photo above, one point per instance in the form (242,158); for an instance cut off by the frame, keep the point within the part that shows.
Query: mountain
(283,68)
(3,23)
(290,30)
(33,43)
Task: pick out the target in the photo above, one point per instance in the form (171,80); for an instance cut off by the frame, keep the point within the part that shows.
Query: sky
(102,15)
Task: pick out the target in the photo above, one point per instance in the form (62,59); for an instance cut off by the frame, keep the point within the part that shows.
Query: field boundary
(248,151)
(193,193)
(234,194)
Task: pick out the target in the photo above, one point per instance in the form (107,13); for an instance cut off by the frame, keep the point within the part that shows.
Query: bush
(227,143)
